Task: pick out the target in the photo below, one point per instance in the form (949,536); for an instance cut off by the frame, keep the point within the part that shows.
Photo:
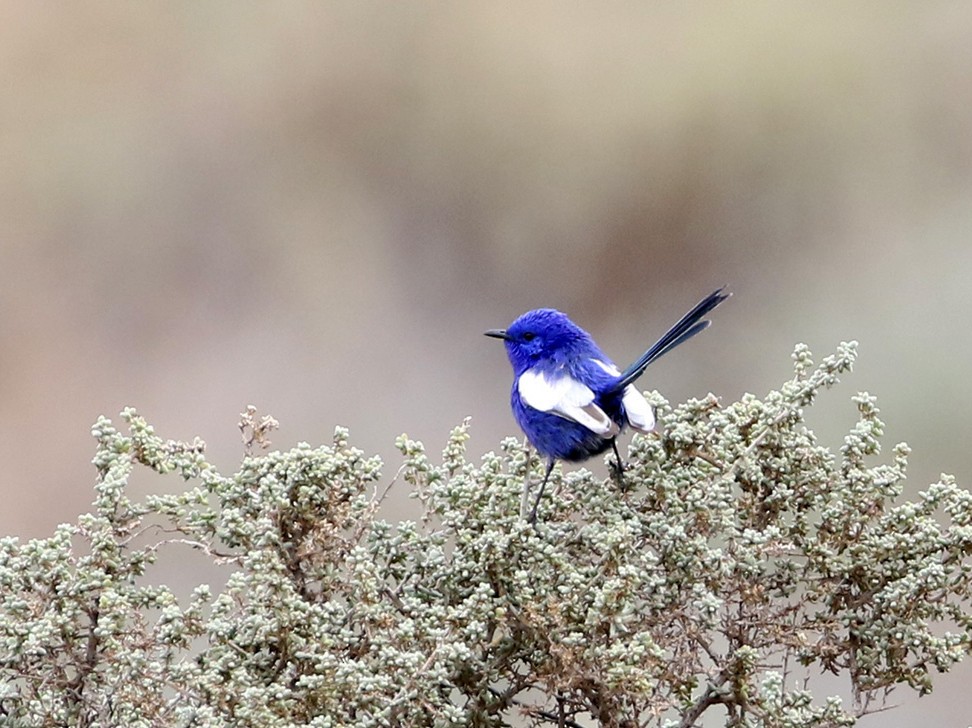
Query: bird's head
(542,335)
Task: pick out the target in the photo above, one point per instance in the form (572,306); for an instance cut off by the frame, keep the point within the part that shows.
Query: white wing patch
(640,415)
(568,398)
(609,368)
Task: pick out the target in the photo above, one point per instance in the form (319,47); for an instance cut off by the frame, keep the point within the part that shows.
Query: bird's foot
(532,518)
(617,468)
(617,473)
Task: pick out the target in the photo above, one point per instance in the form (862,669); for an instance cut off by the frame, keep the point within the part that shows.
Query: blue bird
(568,397)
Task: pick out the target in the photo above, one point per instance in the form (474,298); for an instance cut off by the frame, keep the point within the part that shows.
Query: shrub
(741,559)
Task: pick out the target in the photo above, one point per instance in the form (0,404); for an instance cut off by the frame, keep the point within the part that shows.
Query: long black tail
(687,327)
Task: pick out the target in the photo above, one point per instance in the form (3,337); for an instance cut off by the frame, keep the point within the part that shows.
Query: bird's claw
(617,473)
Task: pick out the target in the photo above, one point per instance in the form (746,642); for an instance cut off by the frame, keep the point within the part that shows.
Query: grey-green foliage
(742,557)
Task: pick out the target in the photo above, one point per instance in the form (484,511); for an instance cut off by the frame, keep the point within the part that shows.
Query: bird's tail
(687,327)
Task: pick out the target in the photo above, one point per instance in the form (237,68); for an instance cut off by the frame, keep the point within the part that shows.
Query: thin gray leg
(620,464)
(536,504)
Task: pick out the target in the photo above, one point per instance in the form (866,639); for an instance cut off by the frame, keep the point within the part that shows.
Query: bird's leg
(536,504)
(618,467)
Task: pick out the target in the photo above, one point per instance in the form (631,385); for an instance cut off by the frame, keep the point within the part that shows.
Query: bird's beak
(497,333)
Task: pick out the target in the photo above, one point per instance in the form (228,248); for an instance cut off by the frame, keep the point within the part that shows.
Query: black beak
(497,334)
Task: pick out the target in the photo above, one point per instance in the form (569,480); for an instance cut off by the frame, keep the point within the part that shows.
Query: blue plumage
(568,397)
(559,438)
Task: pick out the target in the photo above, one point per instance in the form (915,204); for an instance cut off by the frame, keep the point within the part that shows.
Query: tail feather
(687,327)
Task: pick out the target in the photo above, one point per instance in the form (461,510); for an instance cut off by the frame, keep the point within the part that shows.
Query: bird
(568,397)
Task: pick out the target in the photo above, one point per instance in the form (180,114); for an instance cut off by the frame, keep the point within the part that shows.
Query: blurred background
(317,208)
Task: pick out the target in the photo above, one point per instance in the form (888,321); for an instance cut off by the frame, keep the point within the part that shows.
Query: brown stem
(713,695)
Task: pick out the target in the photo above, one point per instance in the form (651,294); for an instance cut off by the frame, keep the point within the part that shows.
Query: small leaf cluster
(736,559)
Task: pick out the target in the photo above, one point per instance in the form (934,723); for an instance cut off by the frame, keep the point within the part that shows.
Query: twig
(376,501)
(713,695)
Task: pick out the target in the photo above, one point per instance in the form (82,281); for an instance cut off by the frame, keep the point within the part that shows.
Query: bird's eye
(529,336)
